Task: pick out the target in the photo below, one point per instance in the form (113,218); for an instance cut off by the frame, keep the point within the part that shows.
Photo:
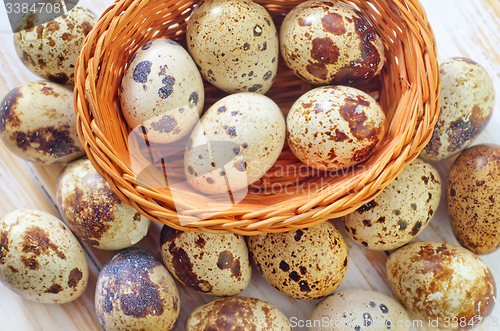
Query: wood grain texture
(462,28)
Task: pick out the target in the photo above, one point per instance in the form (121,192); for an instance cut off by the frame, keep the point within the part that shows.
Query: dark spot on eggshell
(333,23)
(304,286)
(210,181)
(27,59)
(345,262)
(30,262)
(193,99)
(60,78)
(36,242)
(257,30)
(372,304)
(168,235)
(298,235)
(52,26)
(268,75)
(284,266)
(318,70)
(255,88)
(86,27)
(331,154)
(324,51)
(367,320)
(388,325)
(127,280)
(413,206)
(453,192)
(167,90)
(461,131)
(402,225)
(381,220)
(416,228)
(425,180)
(237,151)
(294,276)
(8,109)
(39,32)
(264,47)
(364,244)
(74,278)
(222,109)
(4,246)
(357,328)
(241,165)
(200,242)
(54,289)
(231,131)
(367,206)
(367,223)
(147,45)
(384,308)
(246,46)
(167,124)
(142,71)
(184,269)
(227,261)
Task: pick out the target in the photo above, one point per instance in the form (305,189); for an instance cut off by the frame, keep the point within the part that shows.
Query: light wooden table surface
(462,28)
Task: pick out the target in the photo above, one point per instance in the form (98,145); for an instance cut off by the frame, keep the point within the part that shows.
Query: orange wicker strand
(290,196)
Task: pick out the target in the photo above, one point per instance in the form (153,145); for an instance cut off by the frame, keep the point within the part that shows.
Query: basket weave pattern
(408,91)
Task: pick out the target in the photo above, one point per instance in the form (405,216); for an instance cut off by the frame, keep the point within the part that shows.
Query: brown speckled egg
(162,91)
(467,101)
(40,259)
(235,44)
(473,194)
(94,212)
(400,212)
(38,123)
(357,309)
(304,264)
(214,264)
(334,127)
(135,292)
(236,141)
(442,281)
(237,313)
(50,49)
(327,42)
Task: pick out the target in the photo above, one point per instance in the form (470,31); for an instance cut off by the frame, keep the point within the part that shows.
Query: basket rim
(417,109)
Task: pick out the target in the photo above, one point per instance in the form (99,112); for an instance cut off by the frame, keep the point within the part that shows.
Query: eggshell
(334,127)
(237,313)
(328,42)
(467,100)
(304,264)
(40,259)
(214,264)
(235,44)
(236,141)
(162,91)
(94,212)
(442,281)
(38,123)
(357,309)
(472,191)
(400,212)
(50,49)
(134,291)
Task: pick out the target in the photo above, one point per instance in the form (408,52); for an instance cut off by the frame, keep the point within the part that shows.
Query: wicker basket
(289,196)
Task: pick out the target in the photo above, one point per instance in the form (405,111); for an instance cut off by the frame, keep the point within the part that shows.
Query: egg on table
(334,127)
(357,309)
(328,42)
(467,101)
(400,212)
(214,264)
(472,191)
(38,123)
(237,140)
(135,292)
(305,264)
(235,45)
(162,91)
(50,49)
(237,313)
(94,213)
(443,282)
(40,259)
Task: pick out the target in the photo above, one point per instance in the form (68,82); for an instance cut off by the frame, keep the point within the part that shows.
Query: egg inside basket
(290,195)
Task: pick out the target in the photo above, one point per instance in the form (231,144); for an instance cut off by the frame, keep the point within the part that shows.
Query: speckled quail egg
(467,101)
(400,212)
(237,313)
(357,309)
(235,44)
(135,292)
(334,127)
(162,91)
(215,264)
(236,141)
(442,281)
(304,264)
(94,212)
(50,49)
(38,123)
(40,259)
(472,191)
(328,42)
